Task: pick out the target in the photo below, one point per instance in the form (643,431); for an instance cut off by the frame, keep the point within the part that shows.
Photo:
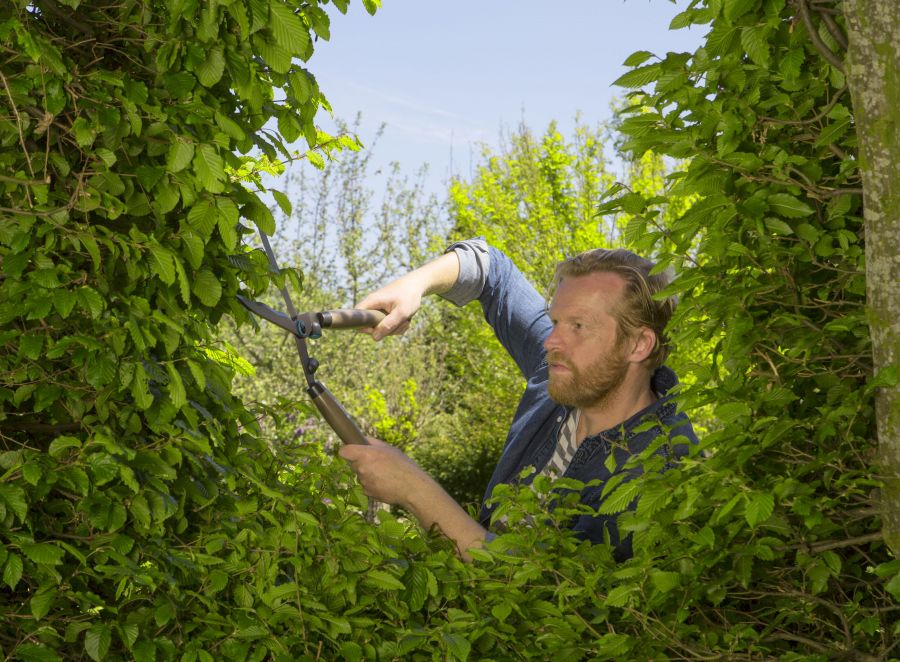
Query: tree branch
(826,52)
(849,542)
(39,428)
(831,652)
(834,29)
(66,17)
(26,182)
(813,120)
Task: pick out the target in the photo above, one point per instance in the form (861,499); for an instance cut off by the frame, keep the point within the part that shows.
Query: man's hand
(385,473)
(401,299)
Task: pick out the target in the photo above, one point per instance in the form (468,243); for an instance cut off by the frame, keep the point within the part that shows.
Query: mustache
(554,357)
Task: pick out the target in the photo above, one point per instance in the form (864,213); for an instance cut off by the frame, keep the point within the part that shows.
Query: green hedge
(141,515)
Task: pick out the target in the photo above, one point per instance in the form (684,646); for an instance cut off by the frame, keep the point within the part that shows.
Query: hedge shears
(310,325)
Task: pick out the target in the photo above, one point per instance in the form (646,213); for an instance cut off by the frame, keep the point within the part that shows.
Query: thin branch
(835,192)
(816,40)
(28,212)
(824,7)
(66,17)
(771,365)
(813,120)
(21,135)
(39,428)
(837,151)
(27,182)
(787,636)
(834,29)
(849,542)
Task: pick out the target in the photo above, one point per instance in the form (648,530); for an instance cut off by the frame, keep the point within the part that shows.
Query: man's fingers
(372,302)
(357,452)
(351,452)
(390,325)
(394,317)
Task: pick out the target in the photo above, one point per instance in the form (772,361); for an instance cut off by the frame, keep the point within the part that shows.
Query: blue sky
(446,76)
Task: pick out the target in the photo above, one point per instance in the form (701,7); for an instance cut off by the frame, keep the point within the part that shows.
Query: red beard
(587,386)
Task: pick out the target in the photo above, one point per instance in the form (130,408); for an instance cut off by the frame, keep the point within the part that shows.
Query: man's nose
(553,341)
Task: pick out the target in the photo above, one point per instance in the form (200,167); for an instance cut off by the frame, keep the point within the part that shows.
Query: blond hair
(636,308)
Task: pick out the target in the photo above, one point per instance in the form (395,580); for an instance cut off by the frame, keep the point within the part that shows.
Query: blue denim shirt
(518,315)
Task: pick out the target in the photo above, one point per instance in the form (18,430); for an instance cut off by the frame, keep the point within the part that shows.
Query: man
(593,362)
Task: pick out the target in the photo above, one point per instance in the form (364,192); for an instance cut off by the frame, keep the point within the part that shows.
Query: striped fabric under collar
(566,446)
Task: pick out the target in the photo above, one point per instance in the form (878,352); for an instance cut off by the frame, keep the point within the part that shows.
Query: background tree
(346,244)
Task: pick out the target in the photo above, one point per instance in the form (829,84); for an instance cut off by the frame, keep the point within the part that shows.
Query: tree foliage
(779,524)
(136,501)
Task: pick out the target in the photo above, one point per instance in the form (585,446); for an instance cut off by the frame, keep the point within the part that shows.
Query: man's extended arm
(402,298)
(388,475)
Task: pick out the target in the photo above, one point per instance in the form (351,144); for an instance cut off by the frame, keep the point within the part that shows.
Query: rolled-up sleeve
(474,263)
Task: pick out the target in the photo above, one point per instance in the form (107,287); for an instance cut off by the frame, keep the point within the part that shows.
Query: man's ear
(642,345)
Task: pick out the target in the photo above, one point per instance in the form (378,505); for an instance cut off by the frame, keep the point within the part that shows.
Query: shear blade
(270,314)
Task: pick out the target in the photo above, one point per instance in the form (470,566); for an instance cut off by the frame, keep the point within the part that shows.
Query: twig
(28,212)
(771,365)
(39,428)
(837,151)
(46,122)
(787,636)
(27,182)
(816,40)
(21,135)
(849,542)
(835,192)
(816,646)
(824,7)
(819,116)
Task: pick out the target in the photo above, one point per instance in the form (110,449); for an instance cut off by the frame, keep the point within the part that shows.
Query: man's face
(585,353)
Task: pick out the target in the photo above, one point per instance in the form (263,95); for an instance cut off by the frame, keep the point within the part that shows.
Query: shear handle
(349,318)
(335,415)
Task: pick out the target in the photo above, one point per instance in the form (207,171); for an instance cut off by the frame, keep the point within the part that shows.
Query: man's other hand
(385,473)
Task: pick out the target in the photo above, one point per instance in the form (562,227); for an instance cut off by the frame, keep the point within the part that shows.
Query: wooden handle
(335,415)
(350,318)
